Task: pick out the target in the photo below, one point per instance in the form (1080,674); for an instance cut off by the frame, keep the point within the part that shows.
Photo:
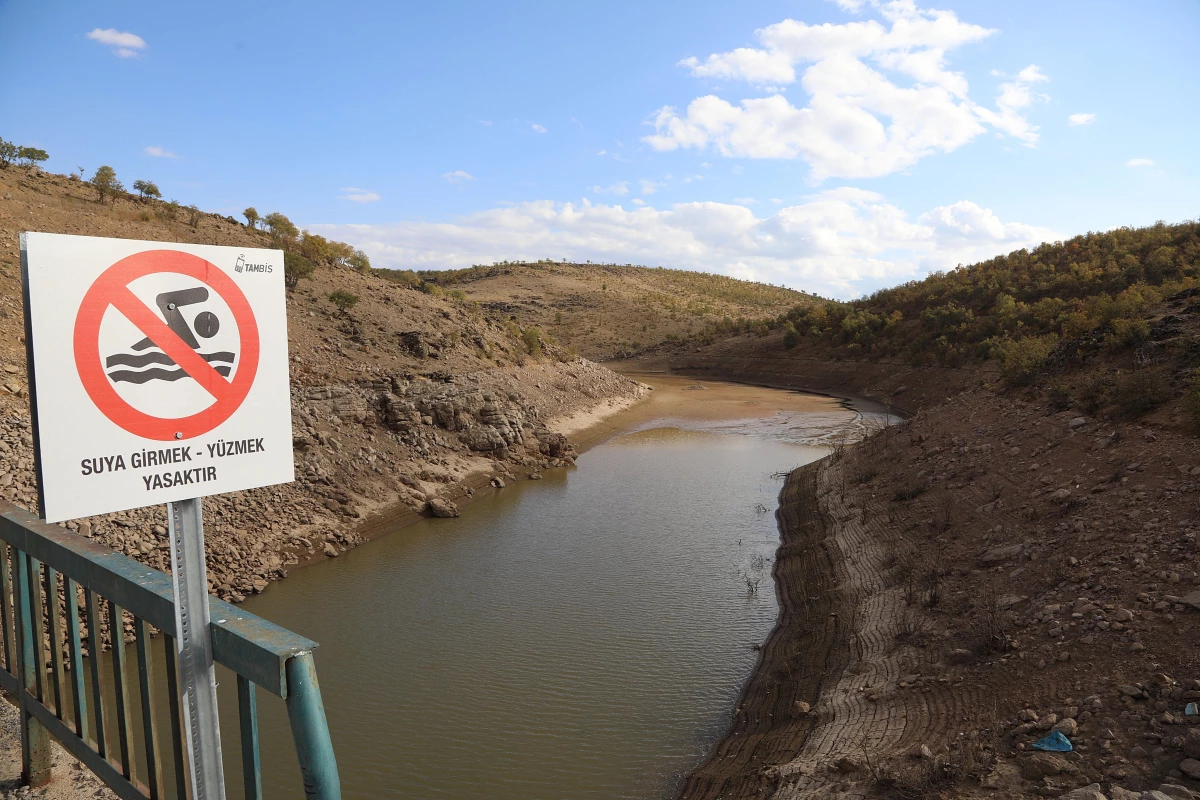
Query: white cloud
(159,152)
(619,189)
(859,121)
(355,195)
(602,153)
(841,242)
(637,201)
(1139,162)
(1081,119)
(648,186)
(745,201)
(122,43)
(458,176)
(538,128)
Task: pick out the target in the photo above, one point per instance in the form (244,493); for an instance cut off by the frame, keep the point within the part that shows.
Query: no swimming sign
(158,372)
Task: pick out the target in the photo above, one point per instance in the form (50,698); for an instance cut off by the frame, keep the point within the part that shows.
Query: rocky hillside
(1017,559)
(606,311)
(405,403)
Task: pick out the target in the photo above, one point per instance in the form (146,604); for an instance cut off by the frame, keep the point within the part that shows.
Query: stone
(331,551)
(1177,792)
(441,508)
(1191,745)
(1060,494)
(1091,792)
(1122,615)
(1190,767)
(800,708)
(1001,553)
(1041,765)
(1129,690)
(1078,422)
(1066,727)
(1154,794)
(1118,793)
(1192,599)
(959,656)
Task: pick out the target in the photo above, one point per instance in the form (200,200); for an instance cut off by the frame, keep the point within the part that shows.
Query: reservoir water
(584,636)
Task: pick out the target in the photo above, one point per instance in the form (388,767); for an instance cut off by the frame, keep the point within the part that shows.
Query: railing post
(35,739)
(306,711)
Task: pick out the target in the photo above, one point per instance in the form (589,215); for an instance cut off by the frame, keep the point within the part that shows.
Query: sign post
(193,646)
(159,374)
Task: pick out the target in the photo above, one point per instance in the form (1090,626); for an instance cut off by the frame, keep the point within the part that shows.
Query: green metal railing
(48,575)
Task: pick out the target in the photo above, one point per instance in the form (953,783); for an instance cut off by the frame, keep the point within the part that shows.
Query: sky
(835,146)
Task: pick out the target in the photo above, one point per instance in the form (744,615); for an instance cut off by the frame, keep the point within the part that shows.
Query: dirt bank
(991,571)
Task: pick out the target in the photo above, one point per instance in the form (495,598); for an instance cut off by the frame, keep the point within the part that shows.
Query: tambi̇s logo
(242,266)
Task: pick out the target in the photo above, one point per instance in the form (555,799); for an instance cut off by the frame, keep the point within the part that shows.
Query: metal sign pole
(193,645)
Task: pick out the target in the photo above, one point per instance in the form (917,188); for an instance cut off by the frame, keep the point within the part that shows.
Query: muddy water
(583,636)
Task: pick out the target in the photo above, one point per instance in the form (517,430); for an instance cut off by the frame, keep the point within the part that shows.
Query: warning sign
(159,372)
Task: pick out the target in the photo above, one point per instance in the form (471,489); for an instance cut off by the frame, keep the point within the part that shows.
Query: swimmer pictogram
(130,367)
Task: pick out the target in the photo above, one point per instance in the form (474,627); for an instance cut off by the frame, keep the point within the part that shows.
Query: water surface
(584,636)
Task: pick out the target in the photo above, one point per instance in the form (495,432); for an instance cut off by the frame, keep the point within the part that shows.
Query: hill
(606,311)
(1019,556)
(403,402)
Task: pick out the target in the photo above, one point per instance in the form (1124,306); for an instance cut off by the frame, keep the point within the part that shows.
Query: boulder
(441,508)
(1190,767)
(1091,792)
(1042,765)
(1191,745)
(1001,553)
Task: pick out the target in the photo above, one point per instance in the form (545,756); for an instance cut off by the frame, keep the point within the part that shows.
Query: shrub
(295,267)
(1094,392)
(1127,333)
(532,339)
(343,300)
(791,336)
(1059,397)
(194,215)
(8,152)
(1021,360)
(1139,391)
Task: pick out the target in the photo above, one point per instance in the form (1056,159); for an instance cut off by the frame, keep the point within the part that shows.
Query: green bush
(1127,333)
(295,267)
(1094,392)
(1142,390)
(1021,360)
(343,300)
(532,339)
(791,336)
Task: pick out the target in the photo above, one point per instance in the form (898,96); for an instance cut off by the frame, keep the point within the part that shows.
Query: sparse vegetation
(106,183)
(147,190)
(343,300)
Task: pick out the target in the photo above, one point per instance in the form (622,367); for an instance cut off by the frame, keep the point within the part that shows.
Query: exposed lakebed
(582,636)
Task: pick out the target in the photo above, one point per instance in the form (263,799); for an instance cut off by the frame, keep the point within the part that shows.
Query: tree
(147,189)
(359,261)
(194,215)
(343,300)
(31,155)
(315,248)
(252,217)
(295,267)
(106,183)
(8,152)
(281,227)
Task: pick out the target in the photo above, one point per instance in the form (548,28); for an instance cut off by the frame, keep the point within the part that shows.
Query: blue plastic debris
(1055,743)
(1191,710)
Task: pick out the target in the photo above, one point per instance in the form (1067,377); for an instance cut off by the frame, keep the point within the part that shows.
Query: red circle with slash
(112,289)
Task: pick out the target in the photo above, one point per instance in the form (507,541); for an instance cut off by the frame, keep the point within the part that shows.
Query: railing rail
(45,572)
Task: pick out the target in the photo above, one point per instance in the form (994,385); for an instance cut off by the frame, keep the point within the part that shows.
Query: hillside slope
(404,404)
(606,311)
(1020,556)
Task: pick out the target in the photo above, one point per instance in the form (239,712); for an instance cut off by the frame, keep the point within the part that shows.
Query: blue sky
(836,146)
